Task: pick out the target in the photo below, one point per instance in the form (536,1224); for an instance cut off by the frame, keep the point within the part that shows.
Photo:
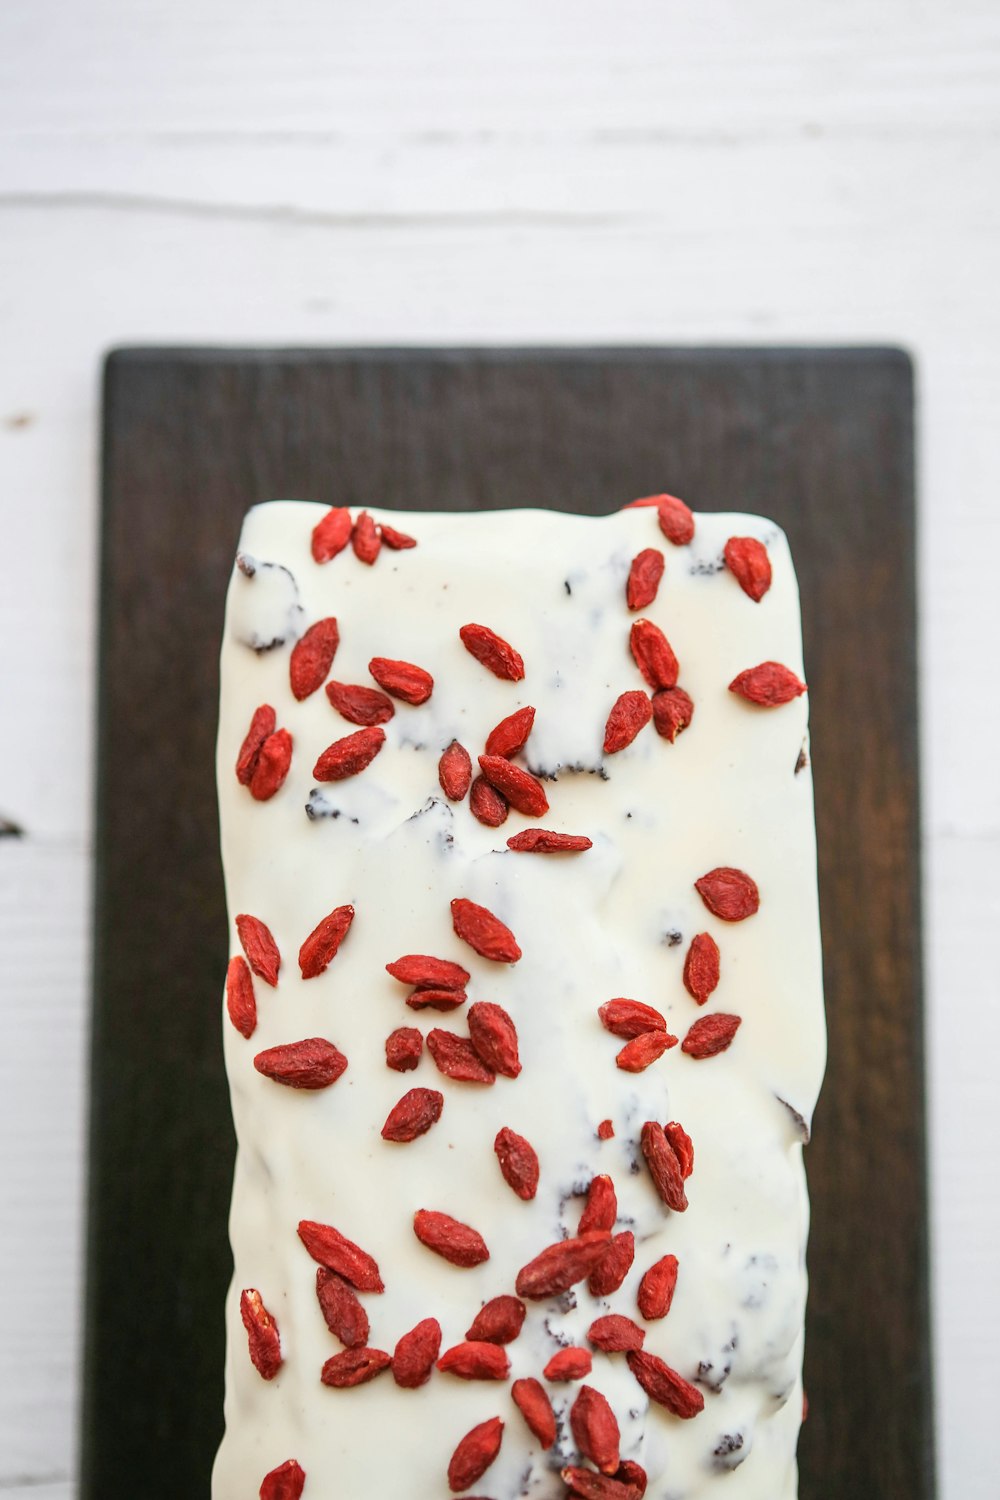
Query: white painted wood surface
(247,171)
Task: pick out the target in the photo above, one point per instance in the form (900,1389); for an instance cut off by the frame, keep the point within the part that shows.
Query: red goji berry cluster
(597,1253)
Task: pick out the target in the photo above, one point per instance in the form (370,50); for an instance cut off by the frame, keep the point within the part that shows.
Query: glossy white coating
(614,921)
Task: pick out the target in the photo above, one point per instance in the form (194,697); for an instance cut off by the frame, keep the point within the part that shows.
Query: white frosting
(592,926)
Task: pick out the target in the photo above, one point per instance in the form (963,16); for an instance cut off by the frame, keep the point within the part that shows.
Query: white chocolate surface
(592,927)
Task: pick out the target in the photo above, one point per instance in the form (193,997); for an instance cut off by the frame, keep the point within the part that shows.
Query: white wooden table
(249,171)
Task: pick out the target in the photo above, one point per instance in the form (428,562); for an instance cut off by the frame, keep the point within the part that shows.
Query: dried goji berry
(645,502)
(631,712)
(569,1364)
(535,1407)
(729,894)
(601,1209)
(595,1429)
(272,766)
(475,1361)
(664,1385)
(518,1162)
(321,946)
(474,1454)
(636,1055)
(609,1273)
(484,932)
(455,1057)
(768,684)
(402,679)
(449,1238)
(331,534)
(312,657)
(414,1115)
(498,1321)
(496,654)
(240,1000)
(615,1333)
(644,578)
(562,1265)
(349,756)
(335,1251)
(682,1147)
(455,771)
(359,704)
(354,1367)
(664,1167)
(403,1048)
(414,1356)
(398,541)
(522,790)
(286,1482)
(584,1484)
(673,711)
(262,1334)
(487,804)
(629,1018)
(511,734)
(629,1472)
(710,1035)
(262,725)
(653,655)
(656,1289)
(494,1036)
(260,948)
(605,1130)
(365,539)
(432,973)
(701,967)
(543,841)
(341,1309)
(747,560)
(313,1063)
(676,520)
(425,997)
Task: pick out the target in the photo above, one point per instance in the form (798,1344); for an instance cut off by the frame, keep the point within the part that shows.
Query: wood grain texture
(822,440)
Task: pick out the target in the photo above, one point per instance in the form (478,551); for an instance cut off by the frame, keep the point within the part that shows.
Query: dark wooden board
(820,439)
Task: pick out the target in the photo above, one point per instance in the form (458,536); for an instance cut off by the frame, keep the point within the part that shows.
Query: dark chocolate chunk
(320,806)
(268,614)
(714,1375)
(548,773)
(730,1452)
(801,1124)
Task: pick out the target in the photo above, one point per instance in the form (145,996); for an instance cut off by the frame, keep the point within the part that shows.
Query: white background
(758,171)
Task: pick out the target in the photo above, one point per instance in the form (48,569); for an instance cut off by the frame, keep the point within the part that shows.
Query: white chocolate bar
(732,791)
